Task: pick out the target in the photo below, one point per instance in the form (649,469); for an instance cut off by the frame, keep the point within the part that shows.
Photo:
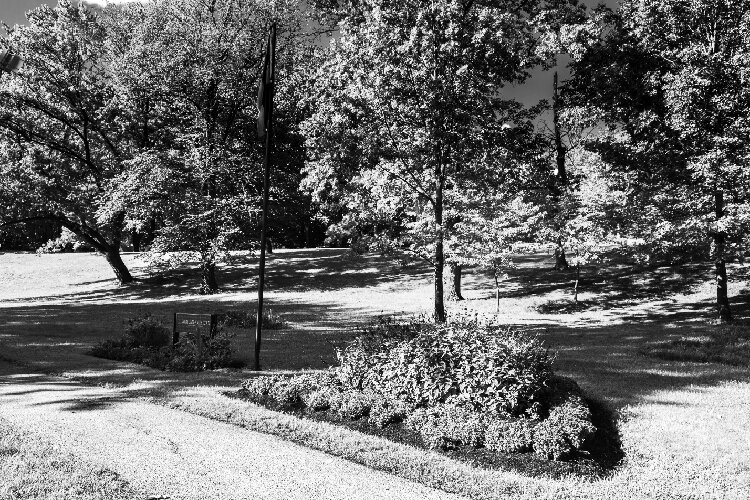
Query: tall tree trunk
(456,289)
(114,259)
(439,254)
(208,278)
(497,294)
(578,279)
(136,237)
(562,173)
(561,263)
(723,311)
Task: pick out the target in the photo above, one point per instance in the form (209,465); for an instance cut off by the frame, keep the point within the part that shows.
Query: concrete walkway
(173,454)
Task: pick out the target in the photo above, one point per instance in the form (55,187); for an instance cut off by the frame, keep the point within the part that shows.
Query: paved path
(170,453)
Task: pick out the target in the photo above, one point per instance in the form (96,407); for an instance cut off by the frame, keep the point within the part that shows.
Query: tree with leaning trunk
(410,108)
(63,137)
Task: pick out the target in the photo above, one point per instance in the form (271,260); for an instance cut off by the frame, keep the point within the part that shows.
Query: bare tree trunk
(114,259)
(456,288)
(439,254)
(136,237)
(578,279)
(723,311)
(561,263)
(562,174)
(208,278)
(497,295)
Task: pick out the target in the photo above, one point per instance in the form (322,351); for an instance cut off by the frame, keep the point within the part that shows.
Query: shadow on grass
(604,360)
(320,269)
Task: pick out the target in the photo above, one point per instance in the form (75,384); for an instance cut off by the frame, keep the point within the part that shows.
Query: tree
(410,109)
(491,230)
(190,68)
(63,139)
(675,94)
(563,28)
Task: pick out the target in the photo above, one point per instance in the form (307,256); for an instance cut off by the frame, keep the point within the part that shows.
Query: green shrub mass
(495,370)
(447,426)
(510,436)
(147,341)
(568,424)
(454,385)
(354,405)
(386,411)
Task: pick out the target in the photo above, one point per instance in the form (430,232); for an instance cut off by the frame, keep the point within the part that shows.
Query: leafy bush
(66,242)
(258,389)
(353,405)
(446,426)
(288,393)
(568,424)
(495,370)
(322,399)
(386,411)
(248,319)
(510,436)
(147,341)
(147,331)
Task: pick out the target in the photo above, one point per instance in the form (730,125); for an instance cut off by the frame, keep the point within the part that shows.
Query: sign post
(199,324)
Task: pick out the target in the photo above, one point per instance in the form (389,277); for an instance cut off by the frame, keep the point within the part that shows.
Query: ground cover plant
(729,344)
(148,341)
(481,393)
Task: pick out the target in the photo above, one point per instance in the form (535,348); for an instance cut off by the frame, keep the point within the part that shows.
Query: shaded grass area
(31,469)
(728,345)
(599,456)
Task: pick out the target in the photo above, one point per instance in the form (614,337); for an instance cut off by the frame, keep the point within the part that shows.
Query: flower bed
(481,393)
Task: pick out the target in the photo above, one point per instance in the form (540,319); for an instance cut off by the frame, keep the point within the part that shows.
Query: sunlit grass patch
(31,469)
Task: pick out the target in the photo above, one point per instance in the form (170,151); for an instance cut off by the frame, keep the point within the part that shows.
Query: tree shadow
(304,270)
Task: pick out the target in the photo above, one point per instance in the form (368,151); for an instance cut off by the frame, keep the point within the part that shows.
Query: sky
(539,86)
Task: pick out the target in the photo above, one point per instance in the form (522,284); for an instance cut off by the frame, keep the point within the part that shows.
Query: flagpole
(264,215)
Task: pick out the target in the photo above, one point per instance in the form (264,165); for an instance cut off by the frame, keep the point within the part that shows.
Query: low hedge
(148,341)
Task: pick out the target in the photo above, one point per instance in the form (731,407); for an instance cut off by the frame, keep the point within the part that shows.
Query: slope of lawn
(32,469)
(682,424)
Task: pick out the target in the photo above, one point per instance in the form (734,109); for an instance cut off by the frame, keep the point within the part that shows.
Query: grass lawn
(682,424)
(31,469)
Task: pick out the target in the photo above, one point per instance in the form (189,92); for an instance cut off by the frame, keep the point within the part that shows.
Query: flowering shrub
(494,370)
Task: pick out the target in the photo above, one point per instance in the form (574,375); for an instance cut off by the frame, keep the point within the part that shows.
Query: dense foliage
(454,385)
(148,341)
(491,370)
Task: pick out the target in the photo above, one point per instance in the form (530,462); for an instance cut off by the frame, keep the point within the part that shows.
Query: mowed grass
(32,469)
(682,424)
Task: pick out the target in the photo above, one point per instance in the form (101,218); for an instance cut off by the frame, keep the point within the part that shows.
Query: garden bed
(595,460)
(481,394)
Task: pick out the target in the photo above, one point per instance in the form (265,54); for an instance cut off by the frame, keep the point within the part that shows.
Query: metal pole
(264,216)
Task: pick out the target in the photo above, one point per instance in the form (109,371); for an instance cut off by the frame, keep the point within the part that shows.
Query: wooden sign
(199,324)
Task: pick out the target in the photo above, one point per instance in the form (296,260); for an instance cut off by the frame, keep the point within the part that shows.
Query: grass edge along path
(422,466)
(32,469)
